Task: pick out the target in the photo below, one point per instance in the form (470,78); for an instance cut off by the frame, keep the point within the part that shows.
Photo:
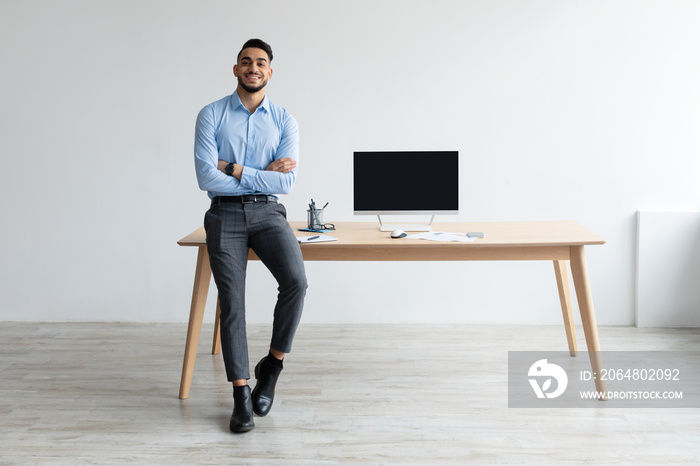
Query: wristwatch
(229,169)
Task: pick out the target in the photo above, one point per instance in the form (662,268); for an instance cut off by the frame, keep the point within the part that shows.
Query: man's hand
(282,165)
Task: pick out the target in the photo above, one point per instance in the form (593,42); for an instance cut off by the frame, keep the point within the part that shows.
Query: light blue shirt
(226,130)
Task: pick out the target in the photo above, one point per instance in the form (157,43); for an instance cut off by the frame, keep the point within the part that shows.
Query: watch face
(229,169)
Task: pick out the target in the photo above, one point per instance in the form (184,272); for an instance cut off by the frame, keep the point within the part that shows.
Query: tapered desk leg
(565,299)
(216,343)
(579,272)
(202,277)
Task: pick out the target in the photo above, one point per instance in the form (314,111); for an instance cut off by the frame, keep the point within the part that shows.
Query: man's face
(253,69)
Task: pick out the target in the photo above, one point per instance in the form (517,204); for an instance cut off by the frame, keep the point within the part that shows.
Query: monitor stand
(406,226)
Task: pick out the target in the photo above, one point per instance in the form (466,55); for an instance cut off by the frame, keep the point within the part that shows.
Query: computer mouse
(398,234)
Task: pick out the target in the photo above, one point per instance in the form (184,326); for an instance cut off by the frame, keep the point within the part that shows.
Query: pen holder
(314,219)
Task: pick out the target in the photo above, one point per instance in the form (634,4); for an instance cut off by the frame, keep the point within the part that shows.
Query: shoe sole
(243,430)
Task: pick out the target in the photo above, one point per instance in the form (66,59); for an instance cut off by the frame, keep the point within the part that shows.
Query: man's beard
(250,89)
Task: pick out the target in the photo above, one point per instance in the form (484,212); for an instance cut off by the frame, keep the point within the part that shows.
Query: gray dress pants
(231,229)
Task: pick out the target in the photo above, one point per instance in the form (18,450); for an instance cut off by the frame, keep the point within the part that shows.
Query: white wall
(560,109)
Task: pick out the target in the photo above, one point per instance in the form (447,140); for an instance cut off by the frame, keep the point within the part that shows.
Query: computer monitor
(406,183)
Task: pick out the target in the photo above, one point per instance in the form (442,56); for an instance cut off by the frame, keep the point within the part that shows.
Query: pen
(313,237)
(325,205)
(314,215)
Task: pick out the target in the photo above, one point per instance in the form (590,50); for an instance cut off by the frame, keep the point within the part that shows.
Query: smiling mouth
(252,82)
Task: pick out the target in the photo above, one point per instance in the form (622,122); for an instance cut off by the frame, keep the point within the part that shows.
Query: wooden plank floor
(106,393)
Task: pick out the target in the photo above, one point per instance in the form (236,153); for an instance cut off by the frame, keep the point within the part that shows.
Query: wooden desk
(559,241)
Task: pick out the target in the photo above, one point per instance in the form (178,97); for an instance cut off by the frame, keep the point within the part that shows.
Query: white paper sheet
(443,236)
(316,239)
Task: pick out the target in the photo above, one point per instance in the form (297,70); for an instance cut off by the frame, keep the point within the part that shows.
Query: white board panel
(668,269)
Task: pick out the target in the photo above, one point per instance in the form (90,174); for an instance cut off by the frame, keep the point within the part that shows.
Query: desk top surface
(497,234)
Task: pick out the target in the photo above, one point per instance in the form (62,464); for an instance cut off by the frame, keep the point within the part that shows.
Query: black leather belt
(245,199)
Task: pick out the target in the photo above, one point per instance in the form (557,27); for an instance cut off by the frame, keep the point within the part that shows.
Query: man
(246,151)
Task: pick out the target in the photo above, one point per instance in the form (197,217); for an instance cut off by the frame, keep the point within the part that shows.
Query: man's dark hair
(258,44)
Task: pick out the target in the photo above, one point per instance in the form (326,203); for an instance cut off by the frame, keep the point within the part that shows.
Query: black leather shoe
(264,391)
(242,417)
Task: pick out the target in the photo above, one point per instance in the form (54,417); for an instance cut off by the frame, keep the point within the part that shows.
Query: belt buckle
(255,199)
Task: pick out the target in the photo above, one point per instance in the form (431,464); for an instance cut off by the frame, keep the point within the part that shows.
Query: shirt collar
(236,99)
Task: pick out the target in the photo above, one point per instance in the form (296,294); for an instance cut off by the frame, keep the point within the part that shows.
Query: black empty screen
(406,181)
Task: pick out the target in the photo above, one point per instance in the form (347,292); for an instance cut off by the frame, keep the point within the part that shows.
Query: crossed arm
(284,165)
(277,178)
